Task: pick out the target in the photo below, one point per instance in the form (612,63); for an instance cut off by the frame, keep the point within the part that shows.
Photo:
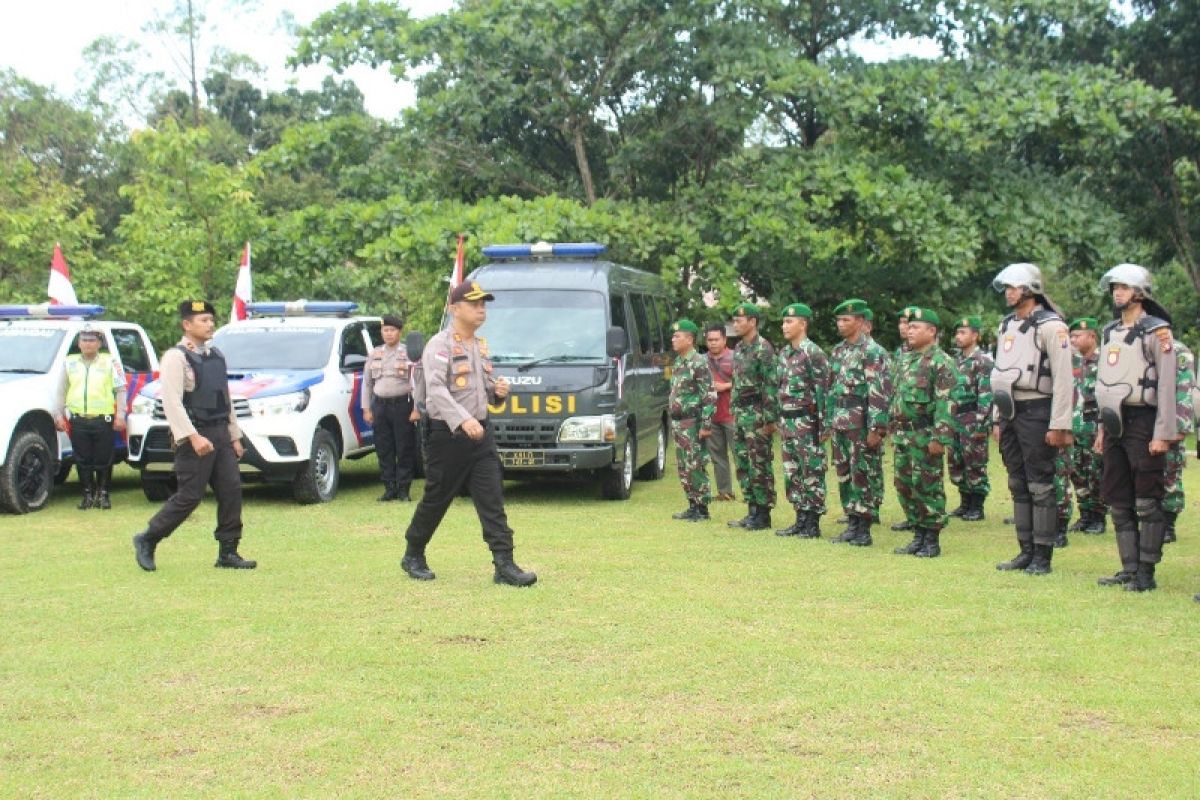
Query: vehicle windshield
(29,350)
(249,348)
(550,325)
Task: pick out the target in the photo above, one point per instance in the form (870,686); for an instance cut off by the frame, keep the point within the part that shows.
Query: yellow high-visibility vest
(90,388)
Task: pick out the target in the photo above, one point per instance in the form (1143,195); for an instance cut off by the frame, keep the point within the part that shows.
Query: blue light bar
(301,308)
(560,249)
(48,311)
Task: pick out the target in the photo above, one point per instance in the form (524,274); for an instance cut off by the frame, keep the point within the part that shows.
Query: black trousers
(218,469)
(1130,472)
(455,460)
(395,439)
(92,443)
(1030,465)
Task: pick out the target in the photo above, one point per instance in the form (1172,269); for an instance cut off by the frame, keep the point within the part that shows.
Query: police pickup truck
(34,344)
(295,378)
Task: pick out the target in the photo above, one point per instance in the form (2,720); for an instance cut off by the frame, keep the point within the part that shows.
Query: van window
(132,352)
(645,344)
(353,342)
(662,316)
(617,312)
(375,332)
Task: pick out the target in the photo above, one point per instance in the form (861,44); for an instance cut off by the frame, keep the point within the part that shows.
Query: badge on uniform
(460,381)
(1114,355)
(1008,343)
(1064,340)
(1165,339)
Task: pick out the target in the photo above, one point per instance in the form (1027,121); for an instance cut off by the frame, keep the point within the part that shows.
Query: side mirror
(616,342)
(352,362)
(414,344)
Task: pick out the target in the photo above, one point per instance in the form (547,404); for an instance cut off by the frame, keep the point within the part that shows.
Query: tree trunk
(191,31)
(585,170)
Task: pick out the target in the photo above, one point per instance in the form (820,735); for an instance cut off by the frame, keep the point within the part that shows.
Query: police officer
(1135,390)
(924,428)
(1033,394)
(387,405)
(92,392)
(972,397)
(803,383)
(856,418)
(756,412)
(691,406)
(461,450)
(208,441)
(1176,458)
(1086,464)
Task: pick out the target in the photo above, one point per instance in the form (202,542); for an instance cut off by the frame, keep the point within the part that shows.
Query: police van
(35,341)
(295,378)
(586,347)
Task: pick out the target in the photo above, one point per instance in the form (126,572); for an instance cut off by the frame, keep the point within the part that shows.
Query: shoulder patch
(1165,340)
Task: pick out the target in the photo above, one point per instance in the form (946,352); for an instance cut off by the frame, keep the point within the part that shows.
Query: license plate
(523,458)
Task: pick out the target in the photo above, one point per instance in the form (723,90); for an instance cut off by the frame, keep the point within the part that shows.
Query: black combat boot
(851,531)
(964,504)
(761,520)
(812,526)
(911,549)
(102,499)
(1119,579)
(744,522)
(228,558)
(1169,533)
(1143,579)
(932,547)
(796,528)
(143,550)
(701,514)
(975,512)
(863,537)
(415,565)
(688,514)
(509,573)
(1093,523)
(389,493)
(903,526)
(1021,560)
(1042,556)
(1060,534)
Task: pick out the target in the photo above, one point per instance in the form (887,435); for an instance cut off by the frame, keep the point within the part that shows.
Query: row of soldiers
(939,407)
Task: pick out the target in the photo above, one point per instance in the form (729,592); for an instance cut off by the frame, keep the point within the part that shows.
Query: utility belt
(400,398)
(105,417)
(1037,402)
(917,424)
(798,413)
(439,425)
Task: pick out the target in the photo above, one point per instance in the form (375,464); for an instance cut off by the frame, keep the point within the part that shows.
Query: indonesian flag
(242,291)
(60,290)
(456,276)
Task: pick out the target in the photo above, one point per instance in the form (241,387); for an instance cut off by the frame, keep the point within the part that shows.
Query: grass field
(653,658)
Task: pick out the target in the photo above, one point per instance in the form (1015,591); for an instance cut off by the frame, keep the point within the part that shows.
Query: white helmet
(1134,276)
(1026,276)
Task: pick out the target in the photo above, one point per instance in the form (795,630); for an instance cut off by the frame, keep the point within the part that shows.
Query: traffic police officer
(1086,463)
(387,405)
(92,392)
(755,411)
(691,406)
(968,457)
(1033,394)
(1135,390)
(461,449)
(924,428)
(208,441)
(803,383)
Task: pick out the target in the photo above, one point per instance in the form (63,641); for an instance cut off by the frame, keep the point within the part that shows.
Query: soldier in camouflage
(803,383)
(1062,495)
(924,427)
(972,396)
(691,406)
(898,356)
(1086,464)
(856,415)
(1176,458)
(756,414)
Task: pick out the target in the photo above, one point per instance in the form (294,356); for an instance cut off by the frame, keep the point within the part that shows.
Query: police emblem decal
(1008,343)
(1114,355)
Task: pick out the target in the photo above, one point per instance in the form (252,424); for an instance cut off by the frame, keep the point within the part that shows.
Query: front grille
(524,434)
(158,440)
(241,408)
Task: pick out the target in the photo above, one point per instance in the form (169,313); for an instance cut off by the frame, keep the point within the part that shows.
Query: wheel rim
(661,461)
(32,475)
(627,467)
(324,470)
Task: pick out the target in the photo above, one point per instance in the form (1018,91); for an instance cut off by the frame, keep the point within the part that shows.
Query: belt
(797,413)
(440,425)
(913,424)
(1036,402)
(394,399)
(92,416)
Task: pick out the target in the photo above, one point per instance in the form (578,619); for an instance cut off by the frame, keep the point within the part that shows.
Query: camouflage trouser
(754,454)
(1062,483)
(967,458)
(1176,460)
(918,481)
(803,464)
(859,473)
(691,456)
(1086,469)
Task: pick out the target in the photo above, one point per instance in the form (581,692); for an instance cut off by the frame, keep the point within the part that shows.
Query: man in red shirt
(720,361)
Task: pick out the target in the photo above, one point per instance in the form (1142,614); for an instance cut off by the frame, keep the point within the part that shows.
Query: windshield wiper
(547,359)
(23,370)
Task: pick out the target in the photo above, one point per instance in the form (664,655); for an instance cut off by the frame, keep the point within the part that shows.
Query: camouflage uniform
(1086,465)
(1176,458)
(968,452)
(691,406)
(755,385)
(803,383)
(921,413)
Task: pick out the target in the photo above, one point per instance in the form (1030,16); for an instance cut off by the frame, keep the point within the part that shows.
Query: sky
(43,41)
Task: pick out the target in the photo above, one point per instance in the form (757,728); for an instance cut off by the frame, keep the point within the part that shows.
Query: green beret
(971,321)
(907,312)
(853,307)
(797,310)
(746,310)
(1085,324)
(869,315)
(926,315)
(686,326)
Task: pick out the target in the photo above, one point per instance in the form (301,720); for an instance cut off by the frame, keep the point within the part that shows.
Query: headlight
(589,429)
(291,403)
(143,405)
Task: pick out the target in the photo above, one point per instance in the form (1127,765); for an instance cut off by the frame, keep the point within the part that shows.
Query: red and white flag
(242,291)
(456,276)
(60,291)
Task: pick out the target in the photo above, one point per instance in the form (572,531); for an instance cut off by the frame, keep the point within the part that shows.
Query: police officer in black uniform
(387,404)
(195,397)
(460,451)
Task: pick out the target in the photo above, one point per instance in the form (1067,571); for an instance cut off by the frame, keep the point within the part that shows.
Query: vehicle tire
(654,470)
(158,488)
(28,474)
(617,482)
(318,481)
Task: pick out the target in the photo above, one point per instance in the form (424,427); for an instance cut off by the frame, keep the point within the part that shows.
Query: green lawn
(654,658)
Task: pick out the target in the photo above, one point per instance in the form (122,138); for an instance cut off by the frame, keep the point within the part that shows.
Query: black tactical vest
(208,402)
